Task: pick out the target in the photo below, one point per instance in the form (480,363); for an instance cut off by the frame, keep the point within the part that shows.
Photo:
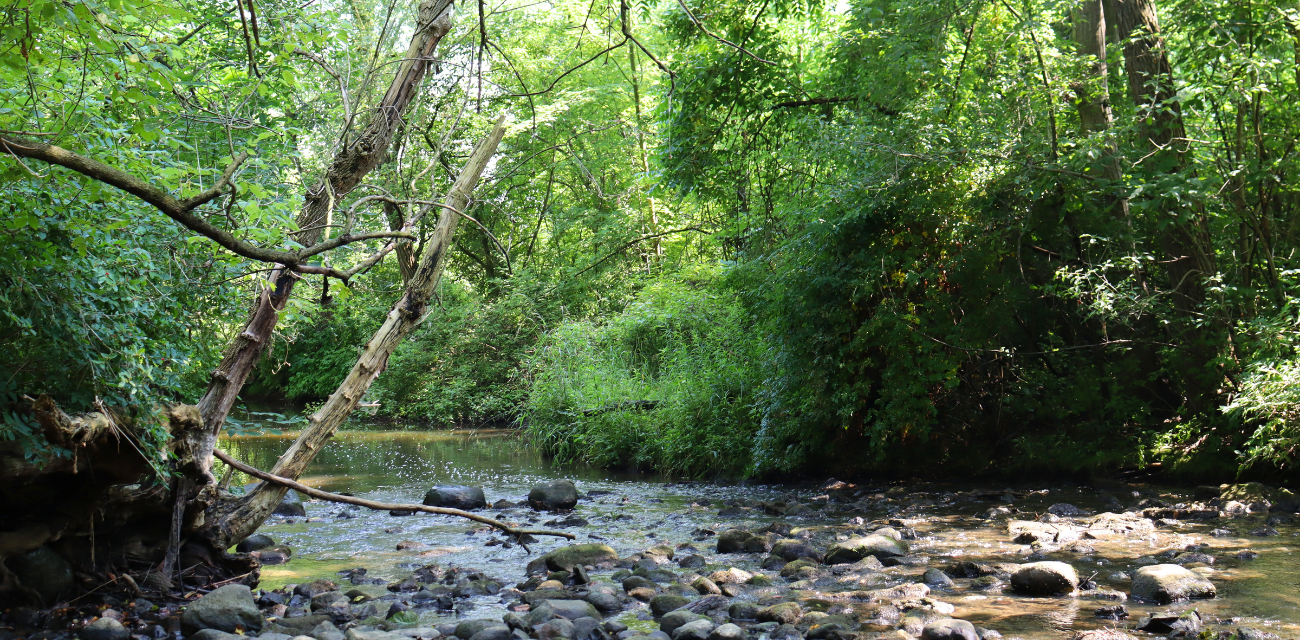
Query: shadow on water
(632,512)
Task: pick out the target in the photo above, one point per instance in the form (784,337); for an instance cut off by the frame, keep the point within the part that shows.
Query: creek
(948,522)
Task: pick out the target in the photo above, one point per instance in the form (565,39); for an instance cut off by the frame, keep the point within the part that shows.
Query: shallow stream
(634,512)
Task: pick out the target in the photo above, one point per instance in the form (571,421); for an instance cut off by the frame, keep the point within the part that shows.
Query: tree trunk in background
(228,522)
(350,165)
(1184,237)
(1092,92)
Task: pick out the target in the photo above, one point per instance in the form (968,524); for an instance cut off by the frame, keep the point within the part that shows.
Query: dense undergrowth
(928,237)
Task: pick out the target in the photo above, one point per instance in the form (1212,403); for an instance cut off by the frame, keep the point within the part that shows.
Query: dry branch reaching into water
(384,506)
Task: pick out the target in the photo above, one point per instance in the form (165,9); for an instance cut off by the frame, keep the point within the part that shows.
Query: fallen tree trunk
(229,521)
(384,506)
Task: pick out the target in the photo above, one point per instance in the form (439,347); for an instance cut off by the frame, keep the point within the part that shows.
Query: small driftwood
(384,506)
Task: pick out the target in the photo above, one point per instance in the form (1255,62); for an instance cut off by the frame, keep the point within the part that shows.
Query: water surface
(632,512)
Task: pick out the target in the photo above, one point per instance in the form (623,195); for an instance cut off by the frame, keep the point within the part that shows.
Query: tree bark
(353,161)
(232,521)
(1184,237)
(1093,93)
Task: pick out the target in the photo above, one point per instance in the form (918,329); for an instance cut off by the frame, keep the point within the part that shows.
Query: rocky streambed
(699,561)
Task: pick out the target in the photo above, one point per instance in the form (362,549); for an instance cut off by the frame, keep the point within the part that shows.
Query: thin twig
(719,38)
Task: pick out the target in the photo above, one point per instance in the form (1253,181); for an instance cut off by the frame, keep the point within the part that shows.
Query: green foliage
(464,365)
(928,258)
(666,384)
(317,350)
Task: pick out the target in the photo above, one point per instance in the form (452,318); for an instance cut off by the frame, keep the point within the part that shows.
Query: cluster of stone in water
(567,598)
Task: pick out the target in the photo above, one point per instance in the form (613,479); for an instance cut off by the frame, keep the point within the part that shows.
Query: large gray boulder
(1165,583)
(291,505)
(456,497)
(225,609)
(43,571)
(1045,579)
(855,549)
(556,495)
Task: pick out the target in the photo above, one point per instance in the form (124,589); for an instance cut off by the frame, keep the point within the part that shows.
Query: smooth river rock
(225,609)
(566,558)
(853,550)
(1165,583)
(556,495)
(456,497)
(104,629)
(949,629)
(1045,579)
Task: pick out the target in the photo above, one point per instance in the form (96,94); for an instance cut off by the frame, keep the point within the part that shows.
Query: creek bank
(773,580)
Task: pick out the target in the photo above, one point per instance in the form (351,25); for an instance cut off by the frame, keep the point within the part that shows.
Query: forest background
(722,238)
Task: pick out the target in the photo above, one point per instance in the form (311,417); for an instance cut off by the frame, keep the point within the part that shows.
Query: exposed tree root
(384,506)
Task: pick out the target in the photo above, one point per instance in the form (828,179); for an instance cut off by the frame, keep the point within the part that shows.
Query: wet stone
(1045,579)
(671,621)
(662,604)
(783,613)
(104,629)
(936,578)
(949,629)
(1165,583)
(696,630)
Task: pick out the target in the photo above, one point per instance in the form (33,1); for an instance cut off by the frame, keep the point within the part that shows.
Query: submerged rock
(1165,583)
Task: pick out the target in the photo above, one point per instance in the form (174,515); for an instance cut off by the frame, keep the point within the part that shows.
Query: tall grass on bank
(666,384)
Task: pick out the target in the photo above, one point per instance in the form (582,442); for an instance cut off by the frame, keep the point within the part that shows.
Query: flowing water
(634,512)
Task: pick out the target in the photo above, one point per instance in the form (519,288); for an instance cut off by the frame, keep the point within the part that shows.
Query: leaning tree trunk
(231,520)
(354,160)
